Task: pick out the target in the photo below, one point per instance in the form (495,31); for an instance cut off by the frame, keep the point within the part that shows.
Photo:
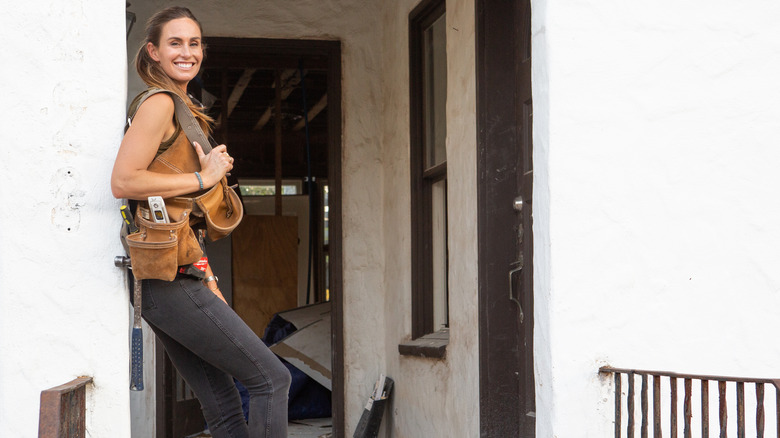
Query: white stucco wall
(656,204)
(433,398)
(63,305)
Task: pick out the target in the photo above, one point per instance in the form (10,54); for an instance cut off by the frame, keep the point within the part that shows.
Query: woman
(205,339)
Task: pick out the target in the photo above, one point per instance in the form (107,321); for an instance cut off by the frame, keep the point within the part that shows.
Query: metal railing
(659,400)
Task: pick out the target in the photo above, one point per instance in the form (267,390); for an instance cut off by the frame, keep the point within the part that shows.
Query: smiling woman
(180,51)
(208,343)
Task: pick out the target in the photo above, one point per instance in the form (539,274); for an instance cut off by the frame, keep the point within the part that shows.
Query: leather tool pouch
(221,209)
(158,249)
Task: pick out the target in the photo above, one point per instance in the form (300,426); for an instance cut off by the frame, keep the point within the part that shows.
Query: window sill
(433,345)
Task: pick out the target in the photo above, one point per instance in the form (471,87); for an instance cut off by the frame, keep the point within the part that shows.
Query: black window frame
(422,181)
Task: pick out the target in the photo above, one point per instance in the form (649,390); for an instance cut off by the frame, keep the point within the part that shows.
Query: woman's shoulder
(152,100)
(159,99)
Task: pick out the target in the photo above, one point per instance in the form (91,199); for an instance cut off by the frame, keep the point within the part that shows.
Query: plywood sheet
(308,349)
(292,205)
(307,315)
(265,268)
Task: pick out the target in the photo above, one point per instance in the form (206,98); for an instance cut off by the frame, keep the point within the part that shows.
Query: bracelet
(209,279)
(200,180)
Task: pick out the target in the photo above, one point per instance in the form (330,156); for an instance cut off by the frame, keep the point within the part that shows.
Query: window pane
(257,190)
(439,246)
(435,92)
(257,187)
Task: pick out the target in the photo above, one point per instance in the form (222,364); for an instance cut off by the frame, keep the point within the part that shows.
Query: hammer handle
(137,342)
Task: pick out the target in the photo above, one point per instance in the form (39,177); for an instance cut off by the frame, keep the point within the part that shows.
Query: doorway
(505,169)
(277,106)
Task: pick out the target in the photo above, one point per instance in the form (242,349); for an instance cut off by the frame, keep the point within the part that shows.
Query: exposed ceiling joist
(313,111)
(237,92)
(290,80)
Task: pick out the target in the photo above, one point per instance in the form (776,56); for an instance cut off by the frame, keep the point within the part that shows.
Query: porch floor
(314,428)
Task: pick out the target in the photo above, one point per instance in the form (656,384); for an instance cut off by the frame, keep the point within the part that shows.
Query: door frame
(507,403)
(330,53)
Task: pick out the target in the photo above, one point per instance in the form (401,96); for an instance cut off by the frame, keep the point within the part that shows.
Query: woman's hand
(213,165)
(211,278)
(219,295)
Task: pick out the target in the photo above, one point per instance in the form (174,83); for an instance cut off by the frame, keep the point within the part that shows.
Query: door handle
(517,204)
(512,297)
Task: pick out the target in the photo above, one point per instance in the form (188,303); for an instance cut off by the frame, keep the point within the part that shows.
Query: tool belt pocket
(220,207)
(158,249)
(222,210)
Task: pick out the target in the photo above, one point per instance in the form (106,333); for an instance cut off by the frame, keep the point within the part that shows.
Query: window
(267,187)
(428,123)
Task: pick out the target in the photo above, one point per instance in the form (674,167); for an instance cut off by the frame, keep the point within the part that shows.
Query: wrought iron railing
(730,389)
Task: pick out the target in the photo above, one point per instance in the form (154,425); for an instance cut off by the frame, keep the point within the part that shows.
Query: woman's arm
(152,123)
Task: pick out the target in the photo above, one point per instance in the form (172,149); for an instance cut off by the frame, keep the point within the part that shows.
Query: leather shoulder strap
(189,124)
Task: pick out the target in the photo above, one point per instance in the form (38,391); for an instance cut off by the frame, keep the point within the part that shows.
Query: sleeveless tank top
(165,143)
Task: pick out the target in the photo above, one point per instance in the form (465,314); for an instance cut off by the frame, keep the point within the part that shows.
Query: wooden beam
(222,121)
(238,91)
(316,109)
(289,80)
(278,155)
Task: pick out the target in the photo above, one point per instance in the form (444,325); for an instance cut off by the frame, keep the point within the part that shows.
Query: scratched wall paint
(68,198)
(63,307)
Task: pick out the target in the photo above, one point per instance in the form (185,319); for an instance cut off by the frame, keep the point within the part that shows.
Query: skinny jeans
(209,344)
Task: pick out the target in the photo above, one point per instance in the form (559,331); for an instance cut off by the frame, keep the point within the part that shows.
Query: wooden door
(504,106)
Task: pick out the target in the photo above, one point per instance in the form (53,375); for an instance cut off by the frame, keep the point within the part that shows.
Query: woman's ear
(152,50)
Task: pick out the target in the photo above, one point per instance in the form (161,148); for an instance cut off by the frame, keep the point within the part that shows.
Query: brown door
(507,404)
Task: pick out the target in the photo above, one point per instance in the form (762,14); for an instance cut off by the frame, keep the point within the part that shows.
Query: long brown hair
(150,70)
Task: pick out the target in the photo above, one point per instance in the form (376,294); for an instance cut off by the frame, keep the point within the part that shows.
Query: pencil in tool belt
(127,216)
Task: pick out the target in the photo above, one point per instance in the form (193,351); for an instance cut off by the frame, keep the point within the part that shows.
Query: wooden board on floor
(265,268)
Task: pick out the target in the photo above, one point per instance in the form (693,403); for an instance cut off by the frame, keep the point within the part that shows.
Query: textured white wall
(63,306)
(433,398)
(656,205)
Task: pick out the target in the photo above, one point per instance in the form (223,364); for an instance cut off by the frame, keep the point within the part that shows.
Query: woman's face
(180,51)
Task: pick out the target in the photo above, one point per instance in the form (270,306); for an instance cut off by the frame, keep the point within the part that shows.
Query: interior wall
(432,398)
(656,224)
(63,305)
(356,25)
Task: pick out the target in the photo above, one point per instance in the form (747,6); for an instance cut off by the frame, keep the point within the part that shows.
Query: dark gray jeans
(209,344)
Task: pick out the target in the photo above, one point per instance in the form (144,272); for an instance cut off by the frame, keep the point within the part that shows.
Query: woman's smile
(180,51)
